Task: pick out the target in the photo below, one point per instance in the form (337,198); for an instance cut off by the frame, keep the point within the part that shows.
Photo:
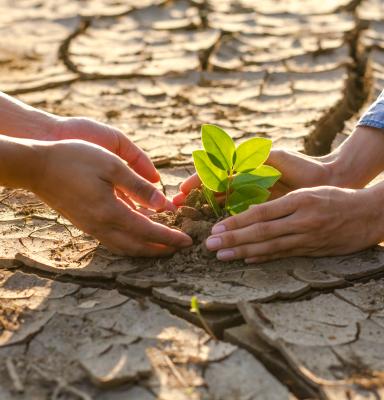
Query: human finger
(257,232)
(274,246)
(121,195)
(190,183)
(179,198)
(120,242)
(274,209)
(145,211)
(146,230)
(137,159)
(139,189)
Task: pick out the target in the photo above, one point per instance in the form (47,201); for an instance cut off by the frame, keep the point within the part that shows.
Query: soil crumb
(10,317)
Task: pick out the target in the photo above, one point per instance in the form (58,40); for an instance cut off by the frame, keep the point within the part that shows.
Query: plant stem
(205,325)
(195,308)
(227,189)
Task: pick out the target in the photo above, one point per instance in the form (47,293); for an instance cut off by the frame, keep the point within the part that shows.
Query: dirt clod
(195,199)
(198,230)
(167,218)
(189,212)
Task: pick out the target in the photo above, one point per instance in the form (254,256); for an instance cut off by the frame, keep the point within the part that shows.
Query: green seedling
(239,172)
(196,310)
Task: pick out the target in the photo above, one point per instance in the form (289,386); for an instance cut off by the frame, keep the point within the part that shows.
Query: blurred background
(297,71)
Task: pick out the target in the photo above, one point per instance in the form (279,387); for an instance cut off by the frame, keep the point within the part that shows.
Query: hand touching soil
(307,222)
(310,213)
(94,181)
(80,180)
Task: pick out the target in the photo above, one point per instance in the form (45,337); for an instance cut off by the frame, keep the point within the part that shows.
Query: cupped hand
(298,171)
(307,222)
(108,137)
(80,180)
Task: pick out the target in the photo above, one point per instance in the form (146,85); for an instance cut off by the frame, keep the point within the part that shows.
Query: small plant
(236,171)
(196,309)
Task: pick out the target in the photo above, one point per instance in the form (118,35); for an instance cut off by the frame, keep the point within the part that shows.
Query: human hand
(108,137)
(298,171)
(307,222)
(80,180)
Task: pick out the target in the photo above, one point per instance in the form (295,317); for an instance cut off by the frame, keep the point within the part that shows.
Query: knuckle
(300,197)
(229,239)
(141,188)
(244,251)
(113,167)
(303,197)
(269,248)
(261,231)
(232,222)
(261,213)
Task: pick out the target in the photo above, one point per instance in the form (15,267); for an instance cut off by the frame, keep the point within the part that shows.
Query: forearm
(373,202)
(22,121)
(21,162)
(358,160)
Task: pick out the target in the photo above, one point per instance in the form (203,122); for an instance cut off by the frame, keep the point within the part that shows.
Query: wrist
(338,170)
(39,125)
(22,162)
(372,200)
(20,120)
(358,160)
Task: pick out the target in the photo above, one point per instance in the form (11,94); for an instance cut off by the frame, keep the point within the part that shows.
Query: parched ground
(77,322)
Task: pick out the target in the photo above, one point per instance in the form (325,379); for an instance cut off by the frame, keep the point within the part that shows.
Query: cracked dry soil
(77,322)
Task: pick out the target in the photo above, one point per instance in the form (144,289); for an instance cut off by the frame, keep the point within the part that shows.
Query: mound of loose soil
(196,219)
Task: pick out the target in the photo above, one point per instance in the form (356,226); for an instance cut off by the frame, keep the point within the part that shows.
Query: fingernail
(225,255)
(213,243)
(158,200)
(218,229)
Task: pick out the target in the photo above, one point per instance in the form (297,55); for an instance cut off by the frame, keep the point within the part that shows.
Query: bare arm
(23,121)
(20,162)
(359,159)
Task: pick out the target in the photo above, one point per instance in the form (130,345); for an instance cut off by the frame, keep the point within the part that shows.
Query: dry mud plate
(77,322)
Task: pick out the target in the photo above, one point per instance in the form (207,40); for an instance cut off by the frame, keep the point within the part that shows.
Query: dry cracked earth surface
(77,322)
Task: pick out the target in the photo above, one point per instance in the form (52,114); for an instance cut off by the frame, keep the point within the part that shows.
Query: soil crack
(355,94)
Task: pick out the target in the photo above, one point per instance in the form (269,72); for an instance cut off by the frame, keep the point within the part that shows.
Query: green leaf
(194,305)
(264,176)
(212,177)
(252,153)
(219,146)
(211,200)
(245,196)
